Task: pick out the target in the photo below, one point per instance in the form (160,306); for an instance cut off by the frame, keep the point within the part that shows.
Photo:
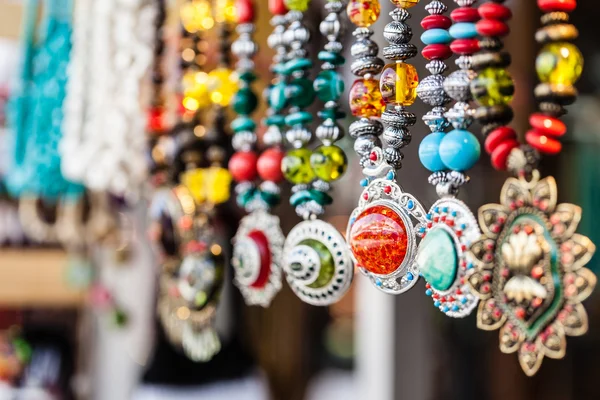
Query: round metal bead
(272,136)
(244,47)
(431,90)
(367,65)
(365,126)
(394,157)
(298,136)
(436,8)
(398,118)
(296,34)
(457,85)
(364,47)
(363,145)
(331,27)
(396,137)
(400,51)
(397,32)
(243,141)
(329,131)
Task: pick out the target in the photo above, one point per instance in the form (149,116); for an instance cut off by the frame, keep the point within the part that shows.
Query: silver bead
(244,47)
(334,6)
(321,186)
(436,120)
(396,137)
(243,141)
(243,187)
(270,187)
(272,136)
(397,32)
(436,7)
(367,65)
(365,143)
(457,85)
(400,51)
(398,118)
(460,115)
(465,3)
(431,90)
(394,157)
(399,14)
(331,27)
(334,46)
(297,35)
(298,137)
(365,126)
(436,67)
(275,39)
(364,47)
(328,132)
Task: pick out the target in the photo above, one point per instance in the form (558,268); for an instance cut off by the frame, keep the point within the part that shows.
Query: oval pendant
(443,258)
(529,271)
(317,264)
(256,260)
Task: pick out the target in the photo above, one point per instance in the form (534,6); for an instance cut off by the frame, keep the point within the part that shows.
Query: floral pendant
(256,258)
(317,263)
(382,231)
(443,258)
(529,271)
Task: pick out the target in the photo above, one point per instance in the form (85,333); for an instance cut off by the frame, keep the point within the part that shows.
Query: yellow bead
(493,86)
(297,5)
(405,3)
(363,13)
(196,15)
(296,166)
(329,163)
(398,84)
(195,90)
(559,64)
(222,85)
(218,182)
(225,11)
(365,99)
(195,181)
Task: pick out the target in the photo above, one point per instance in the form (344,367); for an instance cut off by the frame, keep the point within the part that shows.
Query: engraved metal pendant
(443,258)
(257,257)
(529,271)
(383,229)
(317,263)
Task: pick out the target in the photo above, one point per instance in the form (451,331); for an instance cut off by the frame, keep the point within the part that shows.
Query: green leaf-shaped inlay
(437,259)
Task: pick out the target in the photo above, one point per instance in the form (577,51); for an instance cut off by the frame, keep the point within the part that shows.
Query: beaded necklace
(529,263)
(259,241)
(316,262)
(383,229)
(443,259)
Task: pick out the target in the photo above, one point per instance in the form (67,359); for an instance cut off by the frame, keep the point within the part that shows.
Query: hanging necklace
(316,262)
(529,269)
(259,241)
(443,259)
(383,229)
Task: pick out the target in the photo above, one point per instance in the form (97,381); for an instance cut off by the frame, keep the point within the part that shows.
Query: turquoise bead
(331,113)
(275,119)
(463,30)
(429,152)
(459,150)
(331,57)
(297,64)
(329,86)
(299,118)
(277,96)
(437,259)
(302,93)
(241,124)
(244,101)
(436,36)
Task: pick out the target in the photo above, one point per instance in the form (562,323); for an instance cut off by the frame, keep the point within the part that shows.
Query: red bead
(494,11)
(244,10)
(436,22)
(262,244)
(465,46)
(277,7)
(269,165)
(156,120)
(547,125)
(543,143)
(557,5)
(500,154)
(465,14)
(498,136)
(490,27)
(242,166)
(436,52)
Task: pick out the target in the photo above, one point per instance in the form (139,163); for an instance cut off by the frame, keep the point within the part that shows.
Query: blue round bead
(463,30)
(436,36)
(459,150)
(429,153)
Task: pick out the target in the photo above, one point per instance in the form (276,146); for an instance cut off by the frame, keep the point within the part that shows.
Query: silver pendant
(443,257)
(317,263)
(383,229)
(256,261)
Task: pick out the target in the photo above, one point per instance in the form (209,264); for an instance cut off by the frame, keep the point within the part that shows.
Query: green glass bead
(275,119)
(298,64)
(437,259)
(272,199)
(247,76)
(329,86)
(278,97)
(302,93)
(331,57)
(299,118)
(304,196)
(493,87)
(244,102)
(296,166)
(242,123)
(280,69)
(559,63)
(331,113)
(327,263)
(329,163)
(297,5)
(245,197)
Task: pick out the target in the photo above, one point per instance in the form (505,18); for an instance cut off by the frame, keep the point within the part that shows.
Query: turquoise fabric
(34,112)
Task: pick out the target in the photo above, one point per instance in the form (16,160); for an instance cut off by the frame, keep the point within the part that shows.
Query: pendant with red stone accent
(382,231)
(529,270)
(256,261)
(443,258)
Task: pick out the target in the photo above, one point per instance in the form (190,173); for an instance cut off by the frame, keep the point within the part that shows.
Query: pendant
(257,257)
(383,229)
(529,271)
(317,264)
(443,258)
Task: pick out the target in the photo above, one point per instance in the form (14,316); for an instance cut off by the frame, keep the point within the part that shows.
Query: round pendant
(257,257)
(317,264)
(382,231)
(443,258)
(529,271)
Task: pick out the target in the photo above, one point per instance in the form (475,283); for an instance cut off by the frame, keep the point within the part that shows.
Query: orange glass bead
(379,240)
(365,98)
(363,13)
(405,3)
(398,84)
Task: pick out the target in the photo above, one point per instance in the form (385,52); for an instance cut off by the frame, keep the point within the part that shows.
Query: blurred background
(368,346)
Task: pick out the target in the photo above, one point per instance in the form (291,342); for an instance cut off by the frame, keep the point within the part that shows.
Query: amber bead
(365,99)
(405,3)
(363,13)
(398,84)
